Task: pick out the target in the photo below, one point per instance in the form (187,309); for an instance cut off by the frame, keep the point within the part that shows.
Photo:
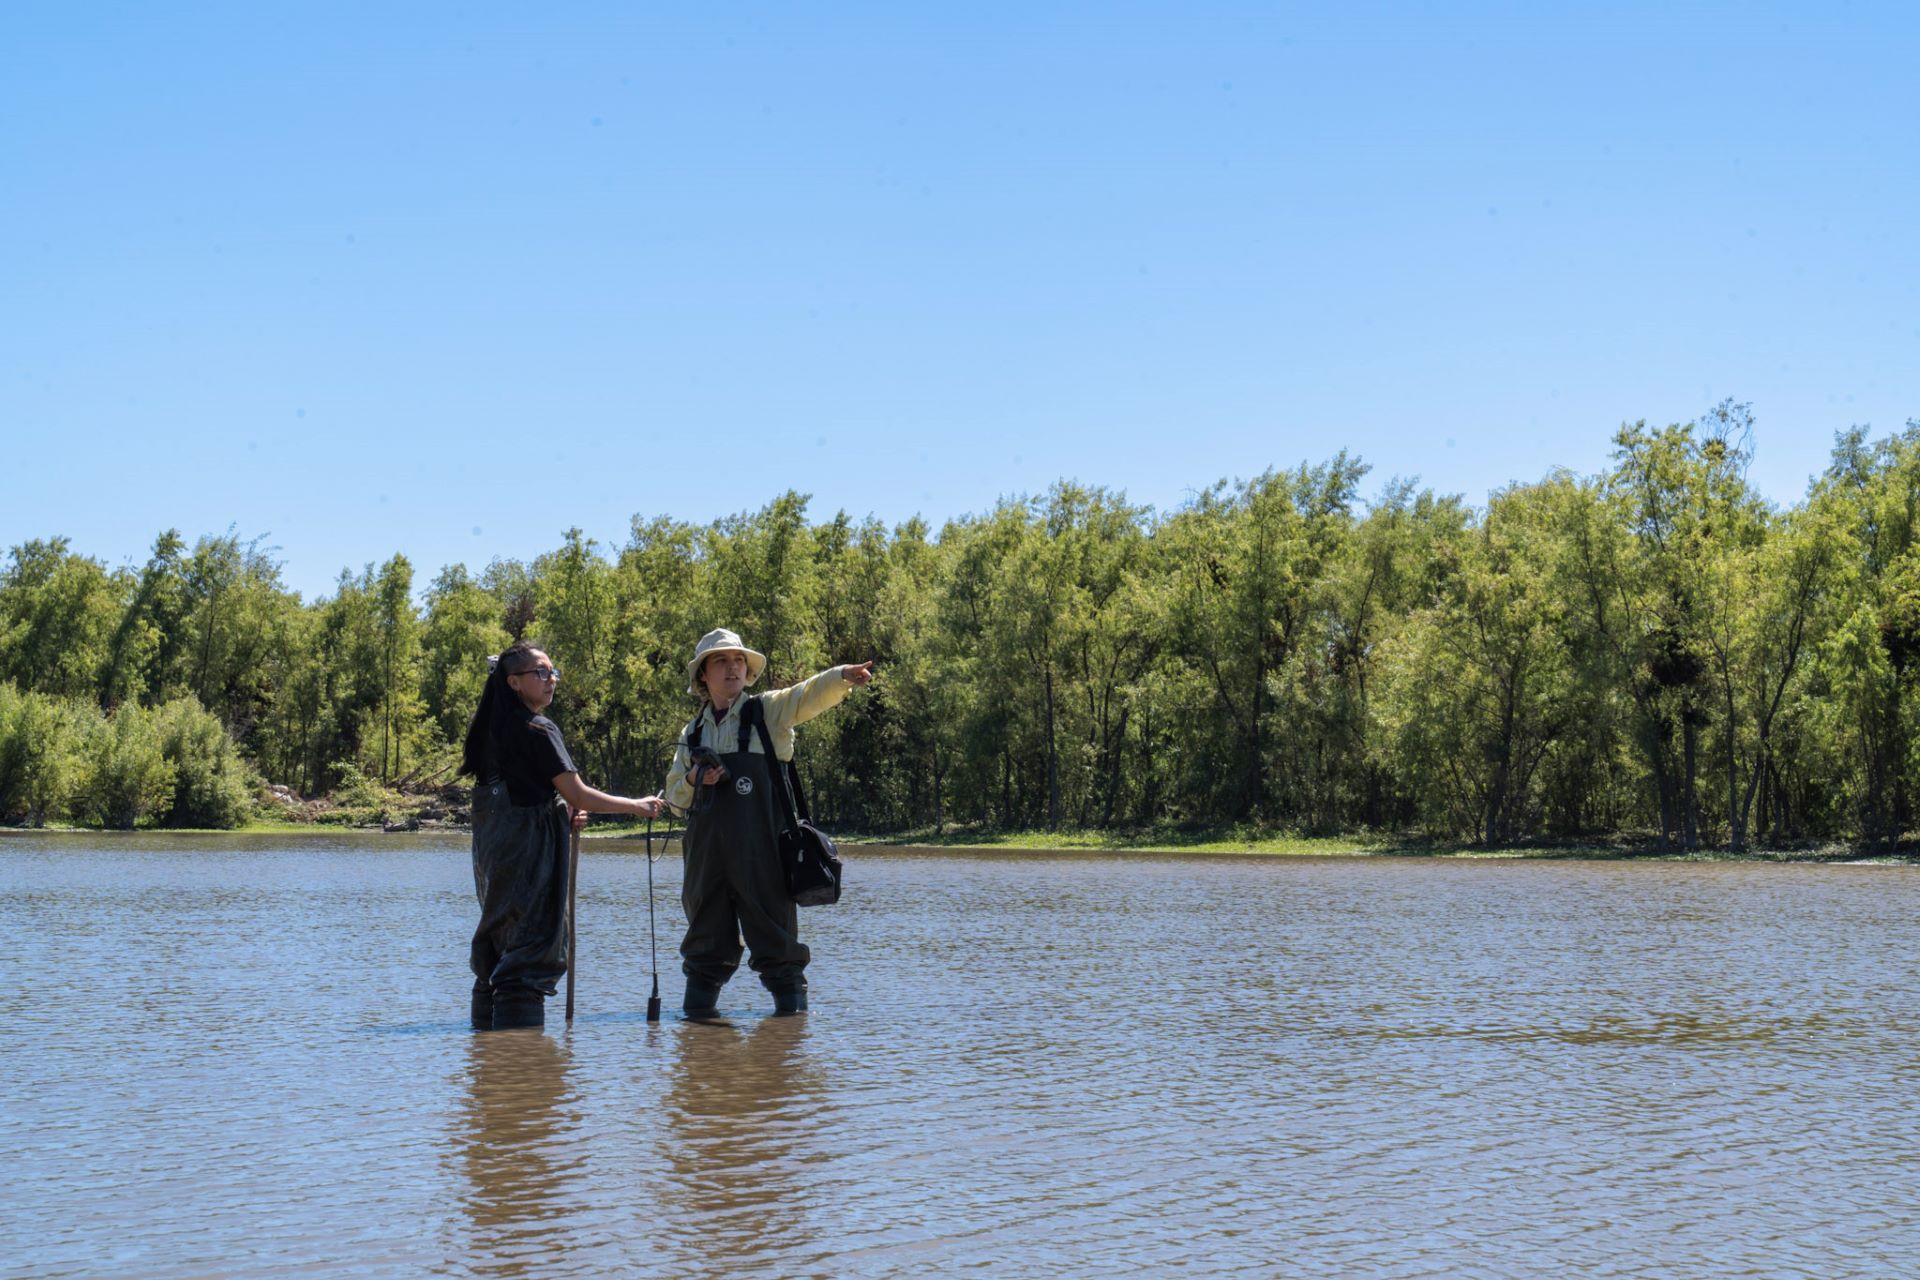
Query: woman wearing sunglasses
(524,785)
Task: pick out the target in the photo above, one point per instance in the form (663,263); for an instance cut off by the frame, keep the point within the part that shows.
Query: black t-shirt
(528,756)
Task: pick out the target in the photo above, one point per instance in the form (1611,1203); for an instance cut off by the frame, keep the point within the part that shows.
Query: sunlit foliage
(1653,651)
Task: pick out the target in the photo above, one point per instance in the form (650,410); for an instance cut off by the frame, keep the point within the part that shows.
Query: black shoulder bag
(807,856)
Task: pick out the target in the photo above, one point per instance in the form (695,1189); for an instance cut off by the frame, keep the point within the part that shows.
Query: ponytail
(493,715)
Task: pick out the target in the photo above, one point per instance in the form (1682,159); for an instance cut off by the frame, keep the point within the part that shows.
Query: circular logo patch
(743,786)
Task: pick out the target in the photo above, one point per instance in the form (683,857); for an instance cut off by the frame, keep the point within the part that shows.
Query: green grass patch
(1251,841)
(1161,840)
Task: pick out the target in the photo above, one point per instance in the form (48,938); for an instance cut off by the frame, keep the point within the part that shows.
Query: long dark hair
(494,715)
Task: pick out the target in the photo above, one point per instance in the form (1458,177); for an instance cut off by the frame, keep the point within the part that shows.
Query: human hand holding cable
(708,764)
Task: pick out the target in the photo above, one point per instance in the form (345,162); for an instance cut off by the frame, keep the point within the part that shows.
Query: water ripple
(246,1059)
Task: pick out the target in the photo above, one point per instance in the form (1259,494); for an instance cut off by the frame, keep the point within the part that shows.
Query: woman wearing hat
(733,887)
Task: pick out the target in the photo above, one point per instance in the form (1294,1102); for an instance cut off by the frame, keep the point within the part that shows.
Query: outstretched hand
(647,806)
(858,673)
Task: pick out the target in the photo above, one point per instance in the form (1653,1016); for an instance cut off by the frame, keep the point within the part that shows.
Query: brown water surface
(247,1057)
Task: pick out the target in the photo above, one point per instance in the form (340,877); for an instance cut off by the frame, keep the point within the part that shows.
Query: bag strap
(792,792)
(702,795)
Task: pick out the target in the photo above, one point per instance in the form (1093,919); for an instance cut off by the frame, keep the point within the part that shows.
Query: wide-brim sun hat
(722,641)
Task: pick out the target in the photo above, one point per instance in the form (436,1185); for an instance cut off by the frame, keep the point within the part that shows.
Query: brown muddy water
(247,1057)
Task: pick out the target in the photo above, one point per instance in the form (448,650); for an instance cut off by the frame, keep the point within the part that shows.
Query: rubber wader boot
(480,1008)
(790,1001)
(518,1009)
(703,1000)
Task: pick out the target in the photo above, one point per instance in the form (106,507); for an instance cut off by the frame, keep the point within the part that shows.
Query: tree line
(1655,651)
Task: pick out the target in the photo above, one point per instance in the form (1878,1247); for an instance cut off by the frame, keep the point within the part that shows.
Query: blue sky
(448,280)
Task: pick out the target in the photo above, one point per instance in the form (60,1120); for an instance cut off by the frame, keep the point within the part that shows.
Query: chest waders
(733,888)
(520,875)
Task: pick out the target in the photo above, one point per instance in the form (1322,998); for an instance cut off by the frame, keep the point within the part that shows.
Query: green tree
(1249,563)
(1645,549)
(1480,690)
(923,679)
(128,779)
(511,584)
(1034,598)
(345,675)
(1867,508)
(1113,633)
(1770,591)
(462,629)
(234,627)
(758,576)
(41,756)
(146,654)
(658,597)
(1386,570)
(982,617)
(864,739)
(577,611)
(57,616)
(287,744)
(211,785)
(396,627)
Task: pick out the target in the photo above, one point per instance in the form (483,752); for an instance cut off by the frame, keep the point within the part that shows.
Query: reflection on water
(509,1143)
(246,1058)
(740,1103)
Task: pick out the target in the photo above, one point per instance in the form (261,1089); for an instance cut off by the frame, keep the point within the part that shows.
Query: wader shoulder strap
(794,794)
(702,795)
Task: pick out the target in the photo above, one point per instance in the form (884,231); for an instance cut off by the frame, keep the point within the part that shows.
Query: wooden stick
(573,879)
(653,943)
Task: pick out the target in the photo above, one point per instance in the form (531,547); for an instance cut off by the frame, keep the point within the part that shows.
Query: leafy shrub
(128,777)
(360,799)
(40,755)
(212,785)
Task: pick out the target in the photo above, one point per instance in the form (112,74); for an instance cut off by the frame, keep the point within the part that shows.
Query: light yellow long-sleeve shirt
(785,710)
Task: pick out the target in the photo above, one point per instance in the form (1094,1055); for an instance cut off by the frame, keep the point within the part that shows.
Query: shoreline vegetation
(1210,842)
(1656,649)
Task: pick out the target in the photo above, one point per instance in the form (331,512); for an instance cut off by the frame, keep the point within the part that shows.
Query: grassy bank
(1246,842)
(295,827)
(1040,841)
(1231,841)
